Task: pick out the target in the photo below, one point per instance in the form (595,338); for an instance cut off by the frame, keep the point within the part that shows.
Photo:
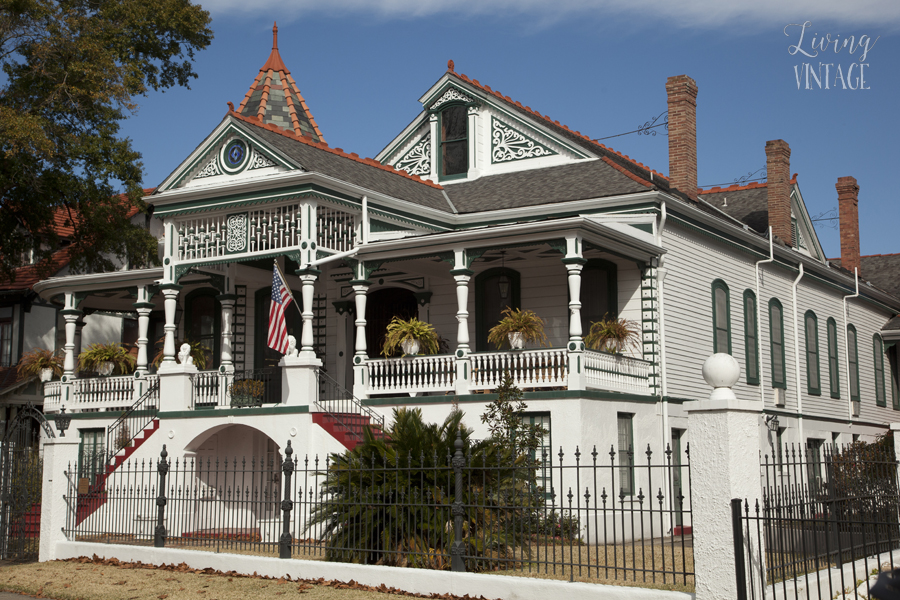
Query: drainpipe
(660,279)
(759,360)
(364,226)
(847,346)
(797,353)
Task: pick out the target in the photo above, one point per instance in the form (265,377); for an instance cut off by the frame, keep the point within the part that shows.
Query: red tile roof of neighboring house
(275,98)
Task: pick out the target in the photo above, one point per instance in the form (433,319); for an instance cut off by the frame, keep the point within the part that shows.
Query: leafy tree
(505,418)
(72,70)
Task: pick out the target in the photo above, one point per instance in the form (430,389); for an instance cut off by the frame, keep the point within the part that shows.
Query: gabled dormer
(466,131)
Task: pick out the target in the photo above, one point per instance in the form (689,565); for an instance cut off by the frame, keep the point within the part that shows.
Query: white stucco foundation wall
(419,581)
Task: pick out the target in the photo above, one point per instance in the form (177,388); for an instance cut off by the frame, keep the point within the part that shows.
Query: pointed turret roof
(275,98)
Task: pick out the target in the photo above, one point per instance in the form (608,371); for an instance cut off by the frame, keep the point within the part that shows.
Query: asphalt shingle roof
(749,204)
(883,270)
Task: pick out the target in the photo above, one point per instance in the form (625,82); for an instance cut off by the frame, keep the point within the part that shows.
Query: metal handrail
(132,422)
(347,403)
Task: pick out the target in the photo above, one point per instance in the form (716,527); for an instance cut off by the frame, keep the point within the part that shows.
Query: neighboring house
(480,203)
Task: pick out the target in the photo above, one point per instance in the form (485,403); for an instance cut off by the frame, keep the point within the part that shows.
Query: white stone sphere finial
(721,371)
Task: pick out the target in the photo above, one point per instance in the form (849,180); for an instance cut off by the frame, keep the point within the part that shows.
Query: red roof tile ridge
(528,109)
(874,255)
(732,188)
(338,151)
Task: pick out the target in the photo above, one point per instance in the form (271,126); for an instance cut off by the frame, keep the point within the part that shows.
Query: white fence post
(724,438)
(60,455)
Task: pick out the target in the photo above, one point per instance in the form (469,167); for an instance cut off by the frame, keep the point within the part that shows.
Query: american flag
(281,298)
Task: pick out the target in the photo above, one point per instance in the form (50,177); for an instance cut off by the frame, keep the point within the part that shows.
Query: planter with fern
(516,328)
(107,359)
(410,336)
(614,335)
(247,393)
(40,363)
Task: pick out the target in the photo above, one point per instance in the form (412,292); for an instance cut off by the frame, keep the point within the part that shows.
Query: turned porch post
(71,314)
(170,291)
(144,307)
(360,385)
(574,261)
(462,274)
(227,301)
(308,276)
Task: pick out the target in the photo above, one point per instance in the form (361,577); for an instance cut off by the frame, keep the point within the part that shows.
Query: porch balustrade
(103,392)
(528,368)
(616,373)
(411,375)
(52,396)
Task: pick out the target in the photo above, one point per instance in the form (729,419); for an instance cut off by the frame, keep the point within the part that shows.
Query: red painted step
(96,497)
(28,525)
(343,426)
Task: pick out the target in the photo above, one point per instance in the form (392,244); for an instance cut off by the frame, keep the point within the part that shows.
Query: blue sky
(598,66)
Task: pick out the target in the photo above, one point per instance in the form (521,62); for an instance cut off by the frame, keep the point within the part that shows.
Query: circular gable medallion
(235,156)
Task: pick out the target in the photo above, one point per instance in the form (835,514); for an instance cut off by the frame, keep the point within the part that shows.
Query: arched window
(834,372)
(491,298)
(813,381)
(751,338)
(203,322)
(454,127)
(776,337)
(853,359)
(599,292)
(721,317)
(878,350)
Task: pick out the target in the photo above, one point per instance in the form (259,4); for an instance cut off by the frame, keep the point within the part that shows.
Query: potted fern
(247,393)
(613,335)
(198,353)
(516,328)
(411,336)
(40,363)
(107,358)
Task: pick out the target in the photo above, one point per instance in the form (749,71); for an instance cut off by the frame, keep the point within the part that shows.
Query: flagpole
(287,287)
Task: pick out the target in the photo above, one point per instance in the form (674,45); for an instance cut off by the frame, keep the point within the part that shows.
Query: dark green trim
(812,353)
(485,398)
(227,412)
(482,328)
(772,349)
(854,362)
(786,413)
(834,365)
(878,360)
(674,400)
(892,368)
(751,337)
(718,284)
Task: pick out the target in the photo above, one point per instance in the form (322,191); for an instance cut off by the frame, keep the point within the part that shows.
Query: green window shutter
(813,381)
(751,338)
(853,357)
(878,350)
(721,317)
(892,367)
(776,343)
(834,372)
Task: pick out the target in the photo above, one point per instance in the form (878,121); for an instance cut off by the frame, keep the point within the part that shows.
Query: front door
(381,307)
(265,359)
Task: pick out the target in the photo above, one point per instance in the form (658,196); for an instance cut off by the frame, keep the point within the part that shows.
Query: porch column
(144,307)
(462,274)
(71,314)
(170,291)
(360,385)
(574,261)
(308,277)
(226,301)
(79,327)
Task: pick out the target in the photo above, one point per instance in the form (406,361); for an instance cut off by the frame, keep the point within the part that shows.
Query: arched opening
(382,306)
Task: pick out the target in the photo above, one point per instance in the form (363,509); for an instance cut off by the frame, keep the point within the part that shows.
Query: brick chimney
(681,92)
(778,169)
(848,209)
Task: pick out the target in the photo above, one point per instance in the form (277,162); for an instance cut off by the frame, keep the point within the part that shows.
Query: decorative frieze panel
(214,236)
(236,156)
(508,144)
(335,228)
(210,169)
(450,95)
(418,160)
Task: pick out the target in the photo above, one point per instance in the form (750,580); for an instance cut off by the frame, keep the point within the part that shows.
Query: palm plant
(401,330)
(389,499)
(613,335)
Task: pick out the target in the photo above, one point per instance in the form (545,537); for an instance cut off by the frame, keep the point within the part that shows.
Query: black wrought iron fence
(132,422)
(828,521)
(574,517)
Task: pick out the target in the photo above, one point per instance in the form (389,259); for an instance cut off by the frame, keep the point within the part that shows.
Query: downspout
(847,346)
(364,226)
(797,354)
(664,388)
(759,360)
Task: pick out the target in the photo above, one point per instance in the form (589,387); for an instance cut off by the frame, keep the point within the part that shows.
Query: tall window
(721,317)
(5,342)
(853,359)
(454,141)
(892,368)
(626,453)
(543,454)
(751,338)
(834,373)
(490,300)
(776,337)
(878,350)
(598,292)
(203,322)
(813,383)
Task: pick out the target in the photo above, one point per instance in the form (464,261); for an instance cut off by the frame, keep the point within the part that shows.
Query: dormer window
(454,141)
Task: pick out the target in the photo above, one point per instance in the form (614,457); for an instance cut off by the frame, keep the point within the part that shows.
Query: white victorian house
(480,203)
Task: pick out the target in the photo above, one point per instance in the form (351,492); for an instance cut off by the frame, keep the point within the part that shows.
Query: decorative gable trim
(451,95)
(418,160)
(509,144)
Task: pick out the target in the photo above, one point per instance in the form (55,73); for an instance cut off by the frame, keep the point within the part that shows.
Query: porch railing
(529,368)
(412,374)
(616,372)
(105,391)
(133,421)
(339,403)
(212,388)
(52,396)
